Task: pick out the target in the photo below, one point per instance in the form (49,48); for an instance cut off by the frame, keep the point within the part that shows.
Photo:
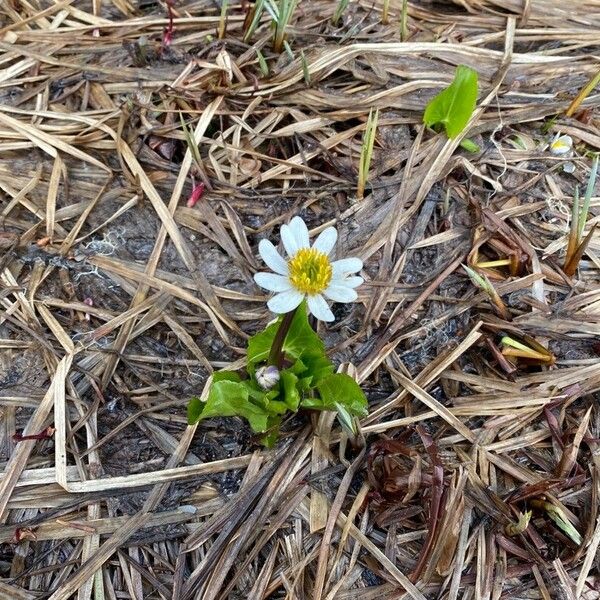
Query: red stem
(168,32)
(43,435)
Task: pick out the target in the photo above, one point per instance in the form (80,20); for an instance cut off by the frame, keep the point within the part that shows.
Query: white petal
(289,240)
(326,240)
(318,307)
(272,282)
(300,231)
(272,258)
(351,282)
(340,293)
(561,145)
(346,266)
(285,302)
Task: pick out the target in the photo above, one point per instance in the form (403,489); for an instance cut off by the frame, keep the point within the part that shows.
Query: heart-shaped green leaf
(454,106)
(339,389)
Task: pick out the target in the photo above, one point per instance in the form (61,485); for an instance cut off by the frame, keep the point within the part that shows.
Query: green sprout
(339,11)
(404,21)
(559,517)
(366,152)
(453,107)
(385,17)
(262,63)
(189,140)
(223,20)
(533,353)
(288,49)
(281,13)
(577,244)
(253,18)
(484,284)
(520,526)
(305,70)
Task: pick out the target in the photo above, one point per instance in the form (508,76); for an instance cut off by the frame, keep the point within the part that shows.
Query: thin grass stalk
(575,246)
(288,49)
(253,18)
(385,17)
(404,21)
(583,94)
(282,15)
(305,70)
(339,11)
(573,241)
(589,191)
(222,30)
(262,63)
(366,153)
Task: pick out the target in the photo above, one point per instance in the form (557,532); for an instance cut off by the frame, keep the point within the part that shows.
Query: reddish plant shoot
(197,193)
(168,32)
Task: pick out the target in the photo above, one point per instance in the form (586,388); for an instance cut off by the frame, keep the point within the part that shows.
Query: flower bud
(267,377)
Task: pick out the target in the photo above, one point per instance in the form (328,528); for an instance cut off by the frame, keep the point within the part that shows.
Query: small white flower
(308,272)
(561,145)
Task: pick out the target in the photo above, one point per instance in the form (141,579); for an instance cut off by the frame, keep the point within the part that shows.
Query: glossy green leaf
(454,106)
(291,395)
(318,366)
(225,376)
(339,389)
(228,399)
(194,410)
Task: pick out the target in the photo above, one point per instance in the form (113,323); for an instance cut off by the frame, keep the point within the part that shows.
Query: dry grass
(119,296)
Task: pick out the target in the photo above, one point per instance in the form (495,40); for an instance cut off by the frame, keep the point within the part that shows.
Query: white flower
(561,145)
(308,272)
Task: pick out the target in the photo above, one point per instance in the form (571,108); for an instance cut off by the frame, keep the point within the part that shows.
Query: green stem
(276,356)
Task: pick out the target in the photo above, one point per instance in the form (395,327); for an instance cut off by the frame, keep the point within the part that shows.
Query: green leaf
(256,393)
(454,106)
(318,366)
(225,376)
(559,517)
(345,419)
(291,395)
(259,345)
(228,399)
(298,368)
(268,440)
(339,388)
(301,340)
(194,410)
(470,146)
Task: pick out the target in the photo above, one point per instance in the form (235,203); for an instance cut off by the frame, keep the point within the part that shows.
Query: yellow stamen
(310,271)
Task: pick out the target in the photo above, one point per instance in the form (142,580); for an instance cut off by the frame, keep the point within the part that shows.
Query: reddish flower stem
(43,435)
(169,29)
(277,356)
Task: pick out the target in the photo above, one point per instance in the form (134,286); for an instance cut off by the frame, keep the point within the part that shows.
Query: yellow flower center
(310,271)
